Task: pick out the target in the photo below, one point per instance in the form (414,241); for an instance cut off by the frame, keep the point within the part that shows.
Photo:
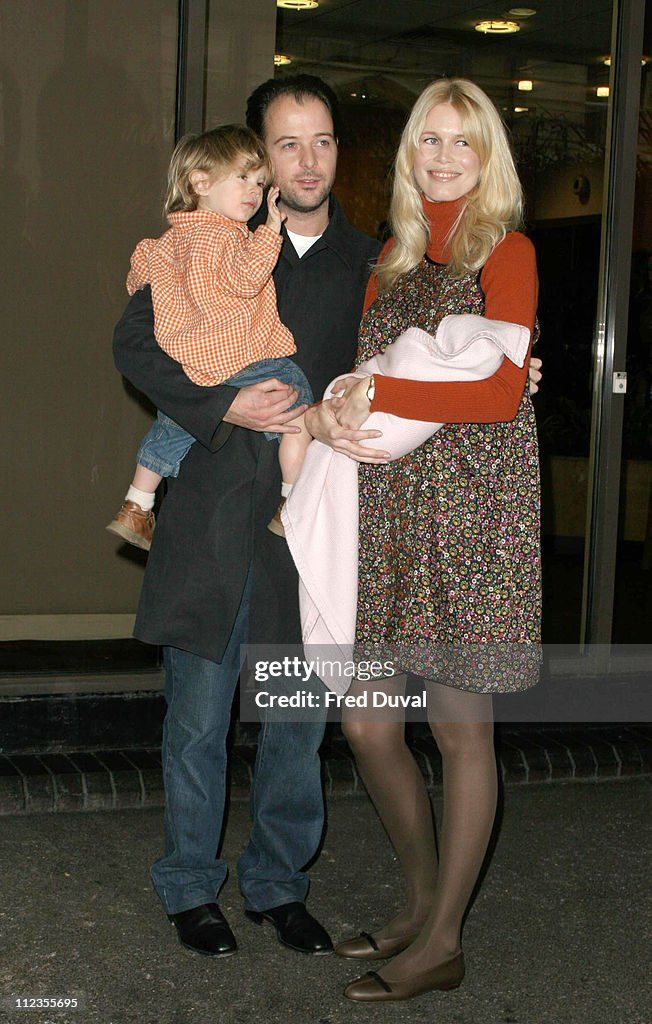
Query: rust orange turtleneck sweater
(510,285)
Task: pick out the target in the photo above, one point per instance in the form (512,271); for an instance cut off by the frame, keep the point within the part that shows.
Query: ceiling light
(280,60)
(521,110)
(498,28)
(522,12)
(297,5)
(602,90)
(607,61)
(525,85)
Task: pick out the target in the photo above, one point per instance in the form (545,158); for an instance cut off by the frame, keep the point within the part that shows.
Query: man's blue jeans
(286,801)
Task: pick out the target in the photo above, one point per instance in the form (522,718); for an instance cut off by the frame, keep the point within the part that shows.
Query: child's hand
(274,216)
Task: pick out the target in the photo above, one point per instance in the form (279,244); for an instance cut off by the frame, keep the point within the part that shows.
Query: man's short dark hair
(298,86)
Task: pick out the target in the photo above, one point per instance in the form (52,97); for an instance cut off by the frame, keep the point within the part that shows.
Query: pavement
(560,932)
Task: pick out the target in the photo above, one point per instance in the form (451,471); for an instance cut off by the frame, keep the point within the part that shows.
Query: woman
(449,534)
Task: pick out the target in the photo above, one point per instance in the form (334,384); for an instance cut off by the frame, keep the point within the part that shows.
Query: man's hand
(535,375)
(321,423)
(265,406)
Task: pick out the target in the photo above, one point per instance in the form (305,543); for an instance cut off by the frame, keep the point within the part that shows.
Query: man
(214,569)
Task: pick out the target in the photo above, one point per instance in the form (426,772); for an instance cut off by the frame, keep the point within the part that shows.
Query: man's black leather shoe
(205,930)
(295,928)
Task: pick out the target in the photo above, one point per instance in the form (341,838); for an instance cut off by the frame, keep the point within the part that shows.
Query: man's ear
(200,182)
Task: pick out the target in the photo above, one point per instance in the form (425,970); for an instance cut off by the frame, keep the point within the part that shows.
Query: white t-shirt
(302,242)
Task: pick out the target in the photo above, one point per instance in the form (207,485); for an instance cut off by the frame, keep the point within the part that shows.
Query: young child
(214,302)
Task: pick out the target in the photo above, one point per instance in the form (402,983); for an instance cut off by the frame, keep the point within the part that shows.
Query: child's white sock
(286,490)
(143,498)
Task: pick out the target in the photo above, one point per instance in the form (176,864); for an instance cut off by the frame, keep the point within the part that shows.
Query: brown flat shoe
(134,525)
(365,947)
(371,988)
(275,525)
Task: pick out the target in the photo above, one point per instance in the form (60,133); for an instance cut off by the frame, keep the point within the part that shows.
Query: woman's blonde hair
(492,208)
(217,153)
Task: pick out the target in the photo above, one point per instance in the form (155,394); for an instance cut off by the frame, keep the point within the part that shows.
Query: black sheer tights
(437,893)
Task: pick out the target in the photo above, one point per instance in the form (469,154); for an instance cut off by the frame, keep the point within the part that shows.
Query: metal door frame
(610,343)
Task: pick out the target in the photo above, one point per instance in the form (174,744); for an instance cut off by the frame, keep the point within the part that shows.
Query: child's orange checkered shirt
(213,295)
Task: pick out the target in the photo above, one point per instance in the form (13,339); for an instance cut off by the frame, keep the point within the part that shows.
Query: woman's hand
(321,422)
(352,407)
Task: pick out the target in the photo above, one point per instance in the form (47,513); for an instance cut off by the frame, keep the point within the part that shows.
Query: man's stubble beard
(299,205)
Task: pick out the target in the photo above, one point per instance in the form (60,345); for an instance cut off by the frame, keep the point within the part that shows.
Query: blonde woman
(449,534)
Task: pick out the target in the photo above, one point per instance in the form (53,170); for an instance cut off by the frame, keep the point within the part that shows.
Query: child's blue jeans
(166,443)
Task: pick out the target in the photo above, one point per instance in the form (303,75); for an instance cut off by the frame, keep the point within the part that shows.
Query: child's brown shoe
(134,525)
(275,525)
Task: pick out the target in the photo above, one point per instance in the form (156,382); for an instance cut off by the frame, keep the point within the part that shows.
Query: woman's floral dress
(449,560)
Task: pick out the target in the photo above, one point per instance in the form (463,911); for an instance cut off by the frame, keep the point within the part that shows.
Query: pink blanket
(321,514)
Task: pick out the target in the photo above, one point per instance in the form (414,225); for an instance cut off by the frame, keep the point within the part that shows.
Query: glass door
(547,68)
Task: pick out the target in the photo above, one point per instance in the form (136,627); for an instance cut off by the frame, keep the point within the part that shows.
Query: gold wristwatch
(371,389)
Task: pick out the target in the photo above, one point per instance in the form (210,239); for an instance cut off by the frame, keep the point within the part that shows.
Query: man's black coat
(212,525)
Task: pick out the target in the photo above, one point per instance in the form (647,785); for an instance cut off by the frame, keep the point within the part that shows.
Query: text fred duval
(328,699)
